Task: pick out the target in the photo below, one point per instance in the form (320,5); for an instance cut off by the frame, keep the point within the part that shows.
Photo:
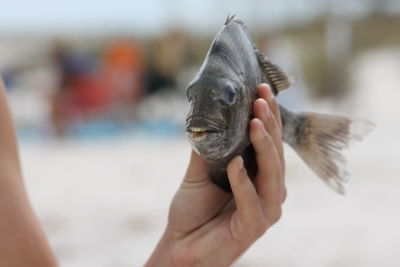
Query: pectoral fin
(279,80)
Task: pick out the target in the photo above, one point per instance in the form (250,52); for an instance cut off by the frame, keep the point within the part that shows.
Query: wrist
(161,255)
(173,252)
(169,252)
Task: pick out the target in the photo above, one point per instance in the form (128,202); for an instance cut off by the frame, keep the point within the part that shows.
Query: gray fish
(221,97)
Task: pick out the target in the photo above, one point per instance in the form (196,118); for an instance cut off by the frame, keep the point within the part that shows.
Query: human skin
(22,240)
(209,227)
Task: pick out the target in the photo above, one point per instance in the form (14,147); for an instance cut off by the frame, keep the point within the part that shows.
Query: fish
(221,96)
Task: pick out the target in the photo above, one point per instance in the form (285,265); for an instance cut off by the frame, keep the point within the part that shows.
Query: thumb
(197,169)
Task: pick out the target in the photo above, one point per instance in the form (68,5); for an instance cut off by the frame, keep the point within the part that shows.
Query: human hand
(209,227)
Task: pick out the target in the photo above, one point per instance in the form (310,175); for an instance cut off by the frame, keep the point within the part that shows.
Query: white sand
(105,203)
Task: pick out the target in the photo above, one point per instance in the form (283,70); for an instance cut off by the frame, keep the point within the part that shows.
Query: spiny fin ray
(279,80)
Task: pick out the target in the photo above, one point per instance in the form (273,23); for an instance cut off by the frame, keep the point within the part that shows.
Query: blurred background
(97,94)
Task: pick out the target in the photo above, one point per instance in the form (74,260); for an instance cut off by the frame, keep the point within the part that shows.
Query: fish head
(217,121)
(221,96)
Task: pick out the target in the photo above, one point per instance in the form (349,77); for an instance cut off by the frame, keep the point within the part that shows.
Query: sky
(152,16)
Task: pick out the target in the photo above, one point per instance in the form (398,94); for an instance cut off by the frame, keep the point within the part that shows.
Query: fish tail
(319,140)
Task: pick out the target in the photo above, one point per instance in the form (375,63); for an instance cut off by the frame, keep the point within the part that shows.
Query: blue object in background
(101,129)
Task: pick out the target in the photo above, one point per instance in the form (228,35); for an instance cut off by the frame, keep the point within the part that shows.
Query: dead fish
(221,97)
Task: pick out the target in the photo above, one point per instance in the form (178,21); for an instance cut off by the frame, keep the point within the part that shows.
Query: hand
(208,227)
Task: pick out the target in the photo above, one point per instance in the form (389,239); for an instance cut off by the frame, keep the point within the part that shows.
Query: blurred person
(123,70)
(81,92)
(206,226)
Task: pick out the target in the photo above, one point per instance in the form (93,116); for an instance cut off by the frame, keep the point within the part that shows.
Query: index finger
(265,92)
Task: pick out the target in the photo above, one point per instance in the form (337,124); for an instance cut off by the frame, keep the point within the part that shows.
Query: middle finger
(263,112)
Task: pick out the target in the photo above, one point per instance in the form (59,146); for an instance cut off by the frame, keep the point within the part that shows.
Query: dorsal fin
(280,81)
(229,19)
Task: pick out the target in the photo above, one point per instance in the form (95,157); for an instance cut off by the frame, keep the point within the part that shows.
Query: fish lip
(201,123)
(199,127)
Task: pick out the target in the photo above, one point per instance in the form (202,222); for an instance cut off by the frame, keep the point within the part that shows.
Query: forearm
(22,241)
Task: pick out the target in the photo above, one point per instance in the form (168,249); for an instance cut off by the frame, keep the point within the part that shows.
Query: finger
(265,92)
(262,111)
(269,170)
(248,206)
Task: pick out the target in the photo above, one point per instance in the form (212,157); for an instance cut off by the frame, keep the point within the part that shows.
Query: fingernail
(261,128)
(238,163)
(267,110)
(239,160)
(262,84)
(270,93)
(263,131)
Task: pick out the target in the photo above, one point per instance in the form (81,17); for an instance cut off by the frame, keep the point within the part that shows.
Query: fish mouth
(199,133)
(198,128)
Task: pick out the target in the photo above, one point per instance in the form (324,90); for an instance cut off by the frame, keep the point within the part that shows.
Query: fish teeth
(197,129)
(197,133)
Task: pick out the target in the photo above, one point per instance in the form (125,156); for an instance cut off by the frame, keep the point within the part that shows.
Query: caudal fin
(319,140)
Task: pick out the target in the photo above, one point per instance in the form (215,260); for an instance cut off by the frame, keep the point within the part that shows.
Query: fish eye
(230,95)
